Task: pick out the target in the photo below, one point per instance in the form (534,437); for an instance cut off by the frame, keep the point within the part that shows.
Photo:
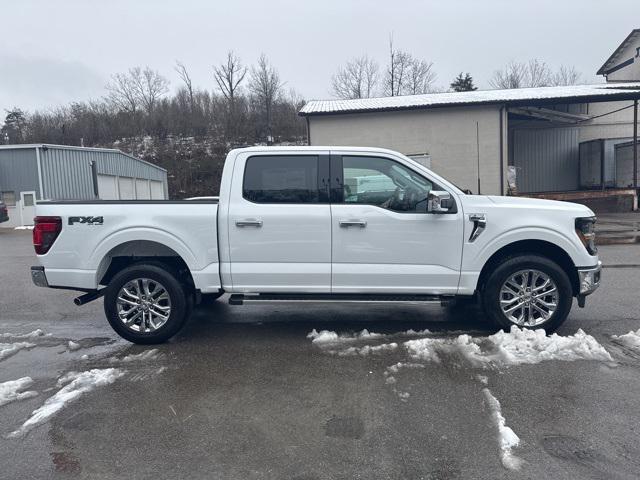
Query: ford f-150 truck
(319,224)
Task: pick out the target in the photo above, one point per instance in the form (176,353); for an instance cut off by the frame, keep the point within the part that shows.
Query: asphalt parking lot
(242,393)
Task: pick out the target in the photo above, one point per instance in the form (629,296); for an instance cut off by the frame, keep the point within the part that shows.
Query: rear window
(281,179)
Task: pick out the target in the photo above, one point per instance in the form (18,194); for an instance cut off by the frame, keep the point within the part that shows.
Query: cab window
(384,183)
(281,179)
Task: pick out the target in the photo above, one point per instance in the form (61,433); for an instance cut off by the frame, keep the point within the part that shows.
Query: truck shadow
(301,318)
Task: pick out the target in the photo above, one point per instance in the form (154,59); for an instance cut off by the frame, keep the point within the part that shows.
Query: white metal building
(29,173)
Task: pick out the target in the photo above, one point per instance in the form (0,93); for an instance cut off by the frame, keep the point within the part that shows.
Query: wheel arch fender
(140,242)
(549,244)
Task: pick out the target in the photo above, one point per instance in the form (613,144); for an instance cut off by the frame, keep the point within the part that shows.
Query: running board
(239,298)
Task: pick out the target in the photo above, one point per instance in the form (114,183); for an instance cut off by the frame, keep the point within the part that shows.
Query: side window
(281,179)
(384,183)
(8,198)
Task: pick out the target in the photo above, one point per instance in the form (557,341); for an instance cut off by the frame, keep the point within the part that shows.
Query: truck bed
(96,231)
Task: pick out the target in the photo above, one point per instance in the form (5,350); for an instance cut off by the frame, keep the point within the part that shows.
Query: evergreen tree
(13,130)
(463,83)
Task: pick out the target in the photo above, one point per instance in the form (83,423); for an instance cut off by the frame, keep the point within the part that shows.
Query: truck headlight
(586,230)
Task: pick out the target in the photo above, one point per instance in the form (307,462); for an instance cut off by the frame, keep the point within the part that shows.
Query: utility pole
(635,143)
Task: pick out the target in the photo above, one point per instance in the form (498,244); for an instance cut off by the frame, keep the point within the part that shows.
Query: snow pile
(519,346)
(365,350)
(9,391)
(36,333)
(78,383)
(73,346)
(506,437)
(630,340)
(146,355)
(327,336)
(8,349)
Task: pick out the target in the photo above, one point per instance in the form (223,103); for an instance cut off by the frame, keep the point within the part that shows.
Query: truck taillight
(45,232)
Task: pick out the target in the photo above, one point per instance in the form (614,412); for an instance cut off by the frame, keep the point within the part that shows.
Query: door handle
(352,223)
(249,222)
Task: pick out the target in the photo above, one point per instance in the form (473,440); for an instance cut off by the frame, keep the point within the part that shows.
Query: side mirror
(439,202)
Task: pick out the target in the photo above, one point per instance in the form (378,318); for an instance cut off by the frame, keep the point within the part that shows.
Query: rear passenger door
(280,223)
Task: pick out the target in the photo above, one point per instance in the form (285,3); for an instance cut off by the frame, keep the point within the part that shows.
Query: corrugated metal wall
(19,171)
(66,173)
(546,159)
(112,163)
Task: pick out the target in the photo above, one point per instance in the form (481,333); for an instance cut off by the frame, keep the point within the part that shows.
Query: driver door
(383,238)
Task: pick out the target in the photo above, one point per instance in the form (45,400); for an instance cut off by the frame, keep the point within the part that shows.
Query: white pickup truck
(319,224)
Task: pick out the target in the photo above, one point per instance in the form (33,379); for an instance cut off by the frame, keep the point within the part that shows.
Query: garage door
(127,189)
(107,187)
(157,190)
(142,189)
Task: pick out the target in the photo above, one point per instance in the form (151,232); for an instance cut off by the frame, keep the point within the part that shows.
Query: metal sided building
(57,172)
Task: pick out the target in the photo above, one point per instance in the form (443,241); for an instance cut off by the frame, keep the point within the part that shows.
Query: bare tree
(407,75)
(534,73)
(186,79)
(357,79)
(122,93)
(137,88)
(229,76)
(396,70)
(513,75)
(538,73)
(151,86)
(265,86)
(566,76)
(420,78)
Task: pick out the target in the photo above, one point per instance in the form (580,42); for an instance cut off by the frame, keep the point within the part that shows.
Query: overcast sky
(56,51)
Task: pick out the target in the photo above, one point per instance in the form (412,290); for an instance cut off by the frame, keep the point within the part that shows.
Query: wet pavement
(242,393)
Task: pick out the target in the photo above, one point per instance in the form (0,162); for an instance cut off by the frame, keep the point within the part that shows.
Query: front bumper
(39,277)
(589,279)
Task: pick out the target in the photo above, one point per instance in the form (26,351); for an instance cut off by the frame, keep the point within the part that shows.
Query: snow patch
(77,384)
(327,336)
(9,349)
(36,333)
(630,340)
(10,391)
(506,437)
(73,346)
(365,350)
(518,347)
(134,357)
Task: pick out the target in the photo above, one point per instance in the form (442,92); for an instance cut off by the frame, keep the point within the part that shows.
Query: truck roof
(312,148)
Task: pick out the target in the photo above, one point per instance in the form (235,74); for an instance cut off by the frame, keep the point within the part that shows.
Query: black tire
(178,296)
(490,294)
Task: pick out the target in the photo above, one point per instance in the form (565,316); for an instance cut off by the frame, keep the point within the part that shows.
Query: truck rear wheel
(146,304)
(528,291)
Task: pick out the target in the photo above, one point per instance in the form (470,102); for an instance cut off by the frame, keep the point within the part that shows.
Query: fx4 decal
(86,220)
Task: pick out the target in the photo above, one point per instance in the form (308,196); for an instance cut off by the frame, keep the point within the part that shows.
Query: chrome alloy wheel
(529,298)
(143,305)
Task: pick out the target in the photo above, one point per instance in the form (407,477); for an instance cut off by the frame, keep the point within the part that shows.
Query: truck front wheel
(145,304)
(529,291)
